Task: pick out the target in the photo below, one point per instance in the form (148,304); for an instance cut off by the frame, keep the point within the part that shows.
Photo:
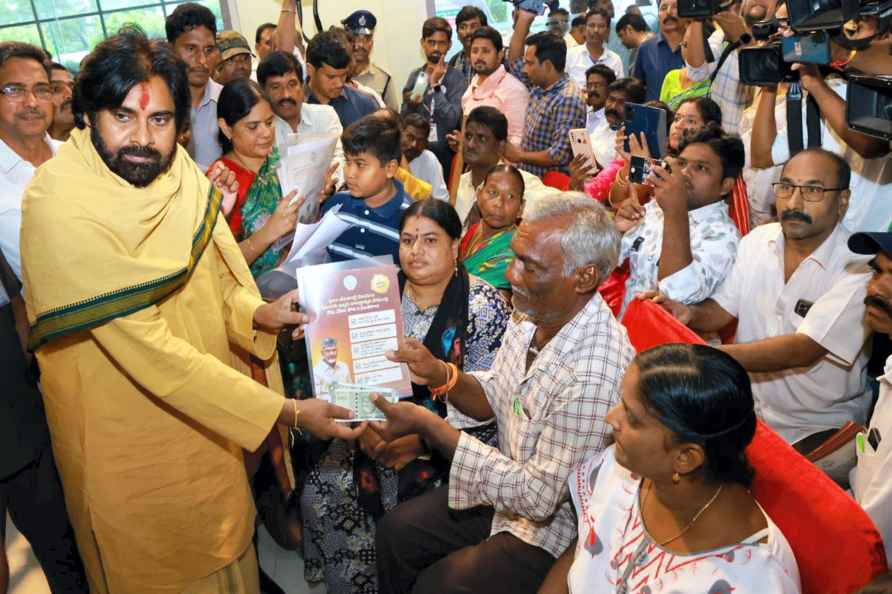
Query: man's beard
(137,174)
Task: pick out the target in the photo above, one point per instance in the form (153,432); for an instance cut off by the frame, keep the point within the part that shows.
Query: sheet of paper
(303,168)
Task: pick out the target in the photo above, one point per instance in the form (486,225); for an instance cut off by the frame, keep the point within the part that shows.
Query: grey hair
(591,237)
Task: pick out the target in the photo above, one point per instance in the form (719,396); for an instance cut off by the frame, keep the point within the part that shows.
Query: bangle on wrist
(452,374)
(295,425)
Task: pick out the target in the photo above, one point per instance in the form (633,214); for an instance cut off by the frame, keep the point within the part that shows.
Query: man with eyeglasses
(29,483)
(63,87)
(191,30)
(797,294)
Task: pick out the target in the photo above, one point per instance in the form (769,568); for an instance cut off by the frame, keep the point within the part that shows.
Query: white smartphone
(581,144)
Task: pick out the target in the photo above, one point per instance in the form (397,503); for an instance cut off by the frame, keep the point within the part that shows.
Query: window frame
(167,6)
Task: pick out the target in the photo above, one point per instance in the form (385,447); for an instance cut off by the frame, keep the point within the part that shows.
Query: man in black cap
(870,480)
(361,25)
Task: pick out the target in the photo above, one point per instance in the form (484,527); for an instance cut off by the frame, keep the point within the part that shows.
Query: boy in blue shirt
(374,201)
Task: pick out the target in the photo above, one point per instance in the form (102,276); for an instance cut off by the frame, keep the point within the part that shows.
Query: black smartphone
(641,168)
(650,121)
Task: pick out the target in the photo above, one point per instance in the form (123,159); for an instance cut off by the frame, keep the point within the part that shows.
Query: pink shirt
(504,92)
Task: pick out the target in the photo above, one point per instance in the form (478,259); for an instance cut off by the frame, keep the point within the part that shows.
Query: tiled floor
(285,567)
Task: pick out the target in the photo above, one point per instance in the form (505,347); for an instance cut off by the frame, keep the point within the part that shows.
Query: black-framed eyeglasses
(809,193)
(16,92)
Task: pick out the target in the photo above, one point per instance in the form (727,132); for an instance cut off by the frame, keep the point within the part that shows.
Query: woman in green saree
(486,247)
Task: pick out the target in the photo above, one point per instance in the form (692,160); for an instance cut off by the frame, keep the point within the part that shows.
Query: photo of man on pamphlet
(330,370)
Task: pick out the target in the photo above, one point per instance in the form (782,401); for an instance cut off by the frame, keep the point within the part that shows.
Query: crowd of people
(157,408)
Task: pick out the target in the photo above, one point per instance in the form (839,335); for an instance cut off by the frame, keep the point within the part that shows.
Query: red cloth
(245,178)
(556,179)
(837,547)
(613,289)
(650,325)
(740,206)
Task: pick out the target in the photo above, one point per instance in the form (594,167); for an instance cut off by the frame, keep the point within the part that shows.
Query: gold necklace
(693,520)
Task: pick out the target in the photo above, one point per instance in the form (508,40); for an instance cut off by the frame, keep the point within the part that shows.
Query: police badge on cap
(361,22)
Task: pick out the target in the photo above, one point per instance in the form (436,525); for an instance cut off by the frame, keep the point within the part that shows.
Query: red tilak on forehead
(143,96)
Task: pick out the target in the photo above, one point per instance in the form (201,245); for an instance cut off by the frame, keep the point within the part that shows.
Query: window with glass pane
(69,29)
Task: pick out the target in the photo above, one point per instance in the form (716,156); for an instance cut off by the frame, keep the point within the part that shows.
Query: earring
(676,478)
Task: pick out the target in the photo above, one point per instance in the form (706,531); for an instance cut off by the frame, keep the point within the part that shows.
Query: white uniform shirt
(870,208)
(579,60)
(15,173)
(714,239)
(426,167)
(871,479)
(799,402)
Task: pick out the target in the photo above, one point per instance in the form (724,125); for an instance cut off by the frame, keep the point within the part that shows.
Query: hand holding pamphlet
(355,318)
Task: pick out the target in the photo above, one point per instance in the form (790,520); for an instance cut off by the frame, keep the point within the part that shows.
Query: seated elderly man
(870,478)
(504,517)
(486,134)
(797,293)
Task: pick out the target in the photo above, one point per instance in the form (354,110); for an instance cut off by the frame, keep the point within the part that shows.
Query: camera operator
(734,31)
(869,209)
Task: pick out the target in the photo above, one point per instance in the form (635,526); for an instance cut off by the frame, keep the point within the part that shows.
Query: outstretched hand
(318,417)
(426,369)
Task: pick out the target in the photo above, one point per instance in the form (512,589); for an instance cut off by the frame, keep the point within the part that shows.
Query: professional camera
(869,105)
(701,9)
(535,6)
(765,30)
(771,64)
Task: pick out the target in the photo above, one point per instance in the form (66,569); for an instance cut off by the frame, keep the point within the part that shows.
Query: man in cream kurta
(144,316)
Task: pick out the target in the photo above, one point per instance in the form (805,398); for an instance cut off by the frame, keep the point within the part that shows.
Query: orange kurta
(148,411)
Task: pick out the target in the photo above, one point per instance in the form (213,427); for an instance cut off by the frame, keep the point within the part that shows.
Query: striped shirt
(550,418)
(373,231)
(551,114)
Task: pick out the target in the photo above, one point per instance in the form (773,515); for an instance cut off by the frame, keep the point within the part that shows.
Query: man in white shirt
(871,479)
(281,76)
(684,241)
(191,30)
(602,130)
(583,57)
(493,85)
(486,133)
(869,207)
(598,79)
(797,293)
(329,370)
(415,130)
(29,483)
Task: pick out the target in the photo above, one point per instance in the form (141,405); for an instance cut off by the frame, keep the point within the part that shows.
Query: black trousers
(33,497)
(425,547)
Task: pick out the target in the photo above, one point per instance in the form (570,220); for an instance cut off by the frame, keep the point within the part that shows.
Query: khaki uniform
(381,82)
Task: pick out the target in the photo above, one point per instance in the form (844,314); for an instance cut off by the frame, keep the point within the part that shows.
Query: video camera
(702,9)
(816,23)
(535,6)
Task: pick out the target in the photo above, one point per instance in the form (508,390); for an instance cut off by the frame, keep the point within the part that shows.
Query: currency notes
(357,398)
